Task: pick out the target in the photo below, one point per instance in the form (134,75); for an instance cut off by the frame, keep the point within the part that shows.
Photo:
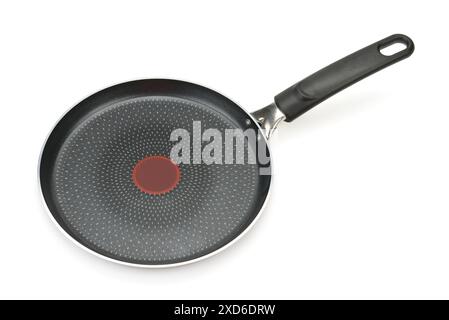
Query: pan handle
(321,85)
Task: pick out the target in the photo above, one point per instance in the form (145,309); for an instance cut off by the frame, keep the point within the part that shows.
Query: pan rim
(152,266)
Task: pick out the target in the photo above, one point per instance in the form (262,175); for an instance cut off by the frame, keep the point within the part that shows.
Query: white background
(359,205)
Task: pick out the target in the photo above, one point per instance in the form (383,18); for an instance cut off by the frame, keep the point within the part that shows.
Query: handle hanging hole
(393,48)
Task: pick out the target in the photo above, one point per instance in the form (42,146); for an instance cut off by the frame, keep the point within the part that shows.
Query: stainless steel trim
(269,118)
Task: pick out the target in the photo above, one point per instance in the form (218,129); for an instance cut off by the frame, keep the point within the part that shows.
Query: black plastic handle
(319,86)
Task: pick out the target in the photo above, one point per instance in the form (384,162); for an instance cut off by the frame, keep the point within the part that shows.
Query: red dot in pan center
(156,175)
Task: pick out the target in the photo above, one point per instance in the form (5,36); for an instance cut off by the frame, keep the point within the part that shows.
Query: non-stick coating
(86,175)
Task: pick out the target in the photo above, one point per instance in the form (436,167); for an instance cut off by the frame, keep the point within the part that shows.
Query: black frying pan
(108,178)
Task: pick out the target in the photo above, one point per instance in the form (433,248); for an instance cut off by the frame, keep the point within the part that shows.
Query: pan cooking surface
(100,205)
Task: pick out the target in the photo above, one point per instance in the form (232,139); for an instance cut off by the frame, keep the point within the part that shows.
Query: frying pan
(110,183)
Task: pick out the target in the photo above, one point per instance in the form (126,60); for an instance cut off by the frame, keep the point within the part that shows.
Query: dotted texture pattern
(100,204)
